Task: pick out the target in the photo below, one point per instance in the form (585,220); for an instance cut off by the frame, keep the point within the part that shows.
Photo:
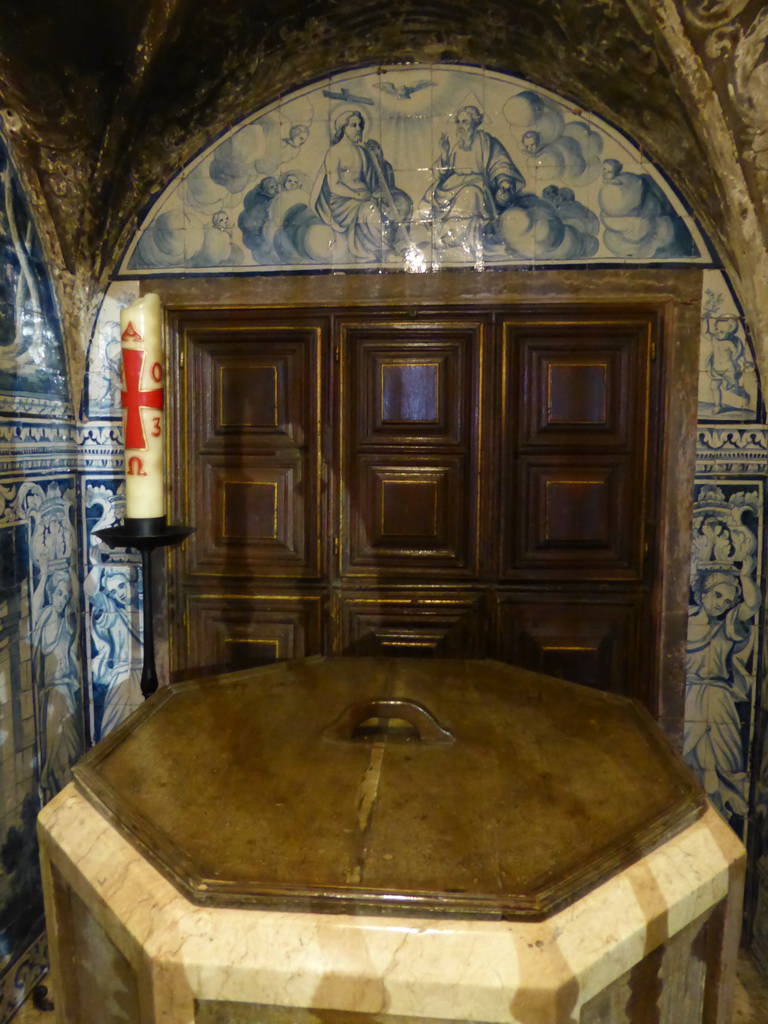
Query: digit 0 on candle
(143,401)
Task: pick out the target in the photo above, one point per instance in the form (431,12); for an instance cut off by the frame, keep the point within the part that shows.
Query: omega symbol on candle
(135,467)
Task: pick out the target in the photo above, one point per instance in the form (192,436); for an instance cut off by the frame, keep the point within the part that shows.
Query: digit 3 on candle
(143,408)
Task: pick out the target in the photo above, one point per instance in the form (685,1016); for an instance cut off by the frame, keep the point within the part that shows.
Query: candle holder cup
(145,535)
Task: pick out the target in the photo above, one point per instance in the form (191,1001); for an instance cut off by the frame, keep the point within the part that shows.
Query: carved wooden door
(578,432)
(248,578)
(465,483)
(408,499)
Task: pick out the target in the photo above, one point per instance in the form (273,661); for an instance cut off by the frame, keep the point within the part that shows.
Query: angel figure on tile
(55,643)
(116,633)
(718,684)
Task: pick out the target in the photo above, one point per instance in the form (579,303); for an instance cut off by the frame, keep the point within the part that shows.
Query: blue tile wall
(728,384)
(112,587)
(113,590)
(722,651)
(41,693)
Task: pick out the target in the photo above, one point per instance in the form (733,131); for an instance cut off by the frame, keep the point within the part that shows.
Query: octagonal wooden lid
(390,785)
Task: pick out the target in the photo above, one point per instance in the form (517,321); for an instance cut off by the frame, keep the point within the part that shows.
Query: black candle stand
(145,535)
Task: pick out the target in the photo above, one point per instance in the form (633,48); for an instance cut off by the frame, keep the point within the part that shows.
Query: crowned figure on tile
(55,636)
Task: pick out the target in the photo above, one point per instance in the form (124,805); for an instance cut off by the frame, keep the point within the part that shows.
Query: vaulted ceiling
(103,102)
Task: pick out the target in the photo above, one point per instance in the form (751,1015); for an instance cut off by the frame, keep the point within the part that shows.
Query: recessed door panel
(573,384)
(227,631)
(261,518)
(410,444)
(254,388)
(586,638)
(410,392)
(577,394)
(410,383)
(576,518)
(252,446)
(408,515)
(411,624)
(575,441)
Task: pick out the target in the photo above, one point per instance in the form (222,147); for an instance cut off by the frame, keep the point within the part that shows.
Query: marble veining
(381,965)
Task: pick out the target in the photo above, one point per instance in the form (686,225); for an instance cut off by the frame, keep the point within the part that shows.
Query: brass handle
(425,727)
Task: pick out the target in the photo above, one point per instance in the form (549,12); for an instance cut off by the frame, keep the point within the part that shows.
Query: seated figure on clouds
(355,193)
(475,180)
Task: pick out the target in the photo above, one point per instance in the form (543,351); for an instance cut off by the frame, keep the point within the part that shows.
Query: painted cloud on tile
(415,167)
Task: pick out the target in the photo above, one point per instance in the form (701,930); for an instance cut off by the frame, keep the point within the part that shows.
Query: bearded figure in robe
(475,180)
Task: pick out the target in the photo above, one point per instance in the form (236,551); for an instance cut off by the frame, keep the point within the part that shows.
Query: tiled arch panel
(367,170)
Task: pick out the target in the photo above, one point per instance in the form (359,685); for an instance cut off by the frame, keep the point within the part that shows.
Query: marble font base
(656,942)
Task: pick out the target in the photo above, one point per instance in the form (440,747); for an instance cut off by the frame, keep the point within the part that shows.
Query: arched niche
(252,216)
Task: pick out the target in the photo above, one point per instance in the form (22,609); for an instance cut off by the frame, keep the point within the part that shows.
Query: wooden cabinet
(469,482)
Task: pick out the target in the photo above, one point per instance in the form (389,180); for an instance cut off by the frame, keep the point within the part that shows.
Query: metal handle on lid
(350,724)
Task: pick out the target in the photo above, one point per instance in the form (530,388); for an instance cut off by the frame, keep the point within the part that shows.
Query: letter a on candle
(143,400)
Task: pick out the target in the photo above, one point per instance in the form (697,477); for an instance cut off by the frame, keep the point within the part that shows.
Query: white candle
(143,377)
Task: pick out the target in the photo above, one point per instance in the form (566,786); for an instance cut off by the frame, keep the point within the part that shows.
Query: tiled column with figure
(41,707)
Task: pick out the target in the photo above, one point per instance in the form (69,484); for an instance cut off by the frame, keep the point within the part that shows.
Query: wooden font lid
(390,785)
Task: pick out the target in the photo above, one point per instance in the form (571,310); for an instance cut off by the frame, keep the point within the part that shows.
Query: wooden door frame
(674,294)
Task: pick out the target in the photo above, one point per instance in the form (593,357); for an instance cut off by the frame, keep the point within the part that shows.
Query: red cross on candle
(134,399)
